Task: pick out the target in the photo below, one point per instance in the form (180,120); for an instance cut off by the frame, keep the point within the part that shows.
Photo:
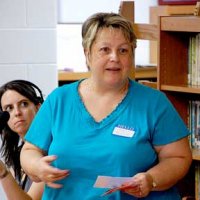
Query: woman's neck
(99,88)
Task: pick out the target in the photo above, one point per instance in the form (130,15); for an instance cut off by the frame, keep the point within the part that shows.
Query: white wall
(72,11)
(28,43)
(79,10)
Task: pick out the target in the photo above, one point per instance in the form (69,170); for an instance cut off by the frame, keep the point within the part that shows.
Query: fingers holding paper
(139,186)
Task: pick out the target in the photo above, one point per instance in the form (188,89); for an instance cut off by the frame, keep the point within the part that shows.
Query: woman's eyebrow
(10,104)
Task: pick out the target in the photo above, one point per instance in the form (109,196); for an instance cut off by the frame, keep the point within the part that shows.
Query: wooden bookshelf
(165,10)
(174,34)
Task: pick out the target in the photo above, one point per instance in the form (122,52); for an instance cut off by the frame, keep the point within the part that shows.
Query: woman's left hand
(140,185)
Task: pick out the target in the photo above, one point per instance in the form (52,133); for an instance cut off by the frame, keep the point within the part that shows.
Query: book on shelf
(194,123)
(194,60)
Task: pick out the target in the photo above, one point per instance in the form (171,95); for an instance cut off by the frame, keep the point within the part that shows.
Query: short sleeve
(39,133)
(169,126)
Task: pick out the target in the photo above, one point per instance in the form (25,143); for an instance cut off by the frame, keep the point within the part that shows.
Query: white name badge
(123,132)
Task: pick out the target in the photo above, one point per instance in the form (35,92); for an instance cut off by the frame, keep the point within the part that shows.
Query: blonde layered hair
(99,21)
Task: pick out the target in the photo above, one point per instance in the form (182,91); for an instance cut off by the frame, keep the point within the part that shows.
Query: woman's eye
(123,50)
(24,104)
(104,49)
(8,108)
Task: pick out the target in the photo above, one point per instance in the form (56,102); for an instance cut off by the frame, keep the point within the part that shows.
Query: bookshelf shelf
(179,23)
(72,76)
(196,154)
(181,88)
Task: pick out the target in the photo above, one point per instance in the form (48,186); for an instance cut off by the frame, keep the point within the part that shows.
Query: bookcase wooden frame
(173,60)
(173,45)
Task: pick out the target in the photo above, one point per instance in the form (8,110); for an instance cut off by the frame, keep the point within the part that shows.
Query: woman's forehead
(111,35)
(11,96)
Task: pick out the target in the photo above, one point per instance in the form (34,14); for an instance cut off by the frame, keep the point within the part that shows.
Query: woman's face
(111,57)
(21,110)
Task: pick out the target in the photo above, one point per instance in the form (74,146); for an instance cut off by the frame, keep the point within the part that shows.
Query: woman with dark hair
(21,99)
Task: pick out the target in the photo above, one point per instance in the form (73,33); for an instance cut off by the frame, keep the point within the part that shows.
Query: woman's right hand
(49,174)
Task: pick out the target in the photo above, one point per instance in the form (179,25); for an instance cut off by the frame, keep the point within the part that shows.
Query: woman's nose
(17,111)
(114,56)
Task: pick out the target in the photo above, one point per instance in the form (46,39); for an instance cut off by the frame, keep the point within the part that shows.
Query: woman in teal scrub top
(107,125)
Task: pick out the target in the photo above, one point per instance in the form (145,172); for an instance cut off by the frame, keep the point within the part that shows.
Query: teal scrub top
(121,145)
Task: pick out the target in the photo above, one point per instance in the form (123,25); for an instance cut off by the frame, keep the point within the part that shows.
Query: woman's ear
(38,106)
(86,52)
